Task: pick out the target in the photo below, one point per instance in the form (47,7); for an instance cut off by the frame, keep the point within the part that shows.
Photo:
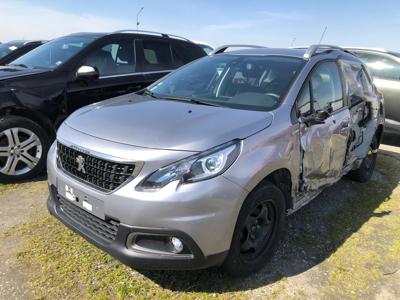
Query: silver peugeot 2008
(201,168)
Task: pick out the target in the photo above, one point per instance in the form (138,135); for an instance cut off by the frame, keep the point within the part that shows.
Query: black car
(41,88)
(12,50)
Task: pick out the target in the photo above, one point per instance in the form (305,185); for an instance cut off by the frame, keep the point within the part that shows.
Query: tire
(23,149)
(367,167)
(241,259)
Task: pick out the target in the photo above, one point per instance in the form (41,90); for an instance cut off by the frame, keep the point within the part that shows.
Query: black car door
(115,61)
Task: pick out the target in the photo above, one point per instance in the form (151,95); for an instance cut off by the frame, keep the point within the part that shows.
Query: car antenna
(322,35)
(292,43)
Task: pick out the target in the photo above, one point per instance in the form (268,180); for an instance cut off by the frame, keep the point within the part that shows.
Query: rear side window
(358,84)
(157,55)
(381,66)
(184,53)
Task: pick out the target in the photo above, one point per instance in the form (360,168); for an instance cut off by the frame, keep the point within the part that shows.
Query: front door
(324,144)
(115,61)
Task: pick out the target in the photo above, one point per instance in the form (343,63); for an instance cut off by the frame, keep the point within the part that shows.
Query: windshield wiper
(19,65)
(191,100)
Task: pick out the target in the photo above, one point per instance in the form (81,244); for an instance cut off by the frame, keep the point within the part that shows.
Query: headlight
(201,166)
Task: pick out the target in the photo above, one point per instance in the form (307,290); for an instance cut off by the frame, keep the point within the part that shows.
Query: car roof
(20,43)
(293,52)
(269,51)
(380,50)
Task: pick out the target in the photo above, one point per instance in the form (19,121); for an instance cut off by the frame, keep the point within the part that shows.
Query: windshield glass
(53,53)
(237,81)
(6,49)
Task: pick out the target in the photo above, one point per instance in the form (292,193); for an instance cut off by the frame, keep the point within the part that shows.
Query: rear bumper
(138,259)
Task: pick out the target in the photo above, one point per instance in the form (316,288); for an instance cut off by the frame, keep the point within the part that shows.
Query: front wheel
(258,229)
(23,148)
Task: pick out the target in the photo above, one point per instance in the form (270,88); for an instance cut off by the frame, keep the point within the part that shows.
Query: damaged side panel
(324,151)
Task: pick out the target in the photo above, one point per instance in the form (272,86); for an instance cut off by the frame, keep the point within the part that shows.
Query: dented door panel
(324,150)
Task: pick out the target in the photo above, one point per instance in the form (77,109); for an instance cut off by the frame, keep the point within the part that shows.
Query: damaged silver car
(202,168)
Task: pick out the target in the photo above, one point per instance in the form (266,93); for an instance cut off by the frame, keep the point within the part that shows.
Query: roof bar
(152,32)
(222,49)
(312,50)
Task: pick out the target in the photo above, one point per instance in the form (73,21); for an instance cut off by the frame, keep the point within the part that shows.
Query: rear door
(115,60)
(323,145)
(386,72)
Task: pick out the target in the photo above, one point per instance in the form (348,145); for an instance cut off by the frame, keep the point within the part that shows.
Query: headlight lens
(202,166)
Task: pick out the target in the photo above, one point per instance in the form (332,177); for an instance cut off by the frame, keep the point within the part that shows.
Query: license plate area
(86,202)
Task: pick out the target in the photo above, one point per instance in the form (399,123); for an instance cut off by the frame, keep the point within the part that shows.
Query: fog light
(177,244)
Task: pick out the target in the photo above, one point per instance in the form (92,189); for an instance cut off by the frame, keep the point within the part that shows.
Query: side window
(381,66)
(304,103)
(184,52)
(322,91)
(115,58)
(358,84)
(157,55)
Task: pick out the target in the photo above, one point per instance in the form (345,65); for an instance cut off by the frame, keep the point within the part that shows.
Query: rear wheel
(258,229)
(367,167)
(23,148)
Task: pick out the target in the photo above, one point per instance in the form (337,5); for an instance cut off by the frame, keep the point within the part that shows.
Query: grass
(363,253)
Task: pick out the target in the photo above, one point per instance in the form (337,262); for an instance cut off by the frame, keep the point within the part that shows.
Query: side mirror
(87,73)
(318,117)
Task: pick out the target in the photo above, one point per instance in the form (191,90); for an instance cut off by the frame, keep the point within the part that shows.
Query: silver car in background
(384,66)
(202,168)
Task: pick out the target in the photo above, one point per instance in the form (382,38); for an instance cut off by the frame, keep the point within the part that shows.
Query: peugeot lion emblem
(81,164)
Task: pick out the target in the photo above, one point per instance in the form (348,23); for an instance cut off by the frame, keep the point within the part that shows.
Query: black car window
(381,66)
(157,55)
(304,102)
(114,58)
(184,53)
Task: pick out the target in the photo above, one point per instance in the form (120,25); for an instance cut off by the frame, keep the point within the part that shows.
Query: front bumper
(138,259)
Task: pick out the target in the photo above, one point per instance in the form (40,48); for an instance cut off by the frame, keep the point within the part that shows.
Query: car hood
(163,124)
(7,72)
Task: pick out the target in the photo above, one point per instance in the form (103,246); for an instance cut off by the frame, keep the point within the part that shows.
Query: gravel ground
(345,244)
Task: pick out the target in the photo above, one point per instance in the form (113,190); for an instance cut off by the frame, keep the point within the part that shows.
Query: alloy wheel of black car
(23,148)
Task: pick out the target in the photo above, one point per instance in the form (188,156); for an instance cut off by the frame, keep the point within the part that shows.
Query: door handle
(345,128)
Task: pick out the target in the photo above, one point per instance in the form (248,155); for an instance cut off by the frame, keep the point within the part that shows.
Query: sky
(273,23)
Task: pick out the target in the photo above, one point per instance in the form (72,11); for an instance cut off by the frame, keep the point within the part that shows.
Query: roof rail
(222,49)
(167,35)
(312,50)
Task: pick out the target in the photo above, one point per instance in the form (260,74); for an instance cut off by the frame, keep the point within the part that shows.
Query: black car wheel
(367,167)
(23,148)
(259,227)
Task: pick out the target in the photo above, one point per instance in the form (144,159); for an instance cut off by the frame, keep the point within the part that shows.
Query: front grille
(103,174)
(105,230)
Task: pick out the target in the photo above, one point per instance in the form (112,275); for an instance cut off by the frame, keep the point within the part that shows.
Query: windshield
(53,53)
(6,49)
(237,81)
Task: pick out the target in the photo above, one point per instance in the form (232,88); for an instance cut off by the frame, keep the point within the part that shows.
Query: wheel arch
(37,117)
(282,178)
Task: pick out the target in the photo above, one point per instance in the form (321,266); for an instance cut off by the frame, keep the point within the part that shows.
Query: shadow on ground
(314,233)
(392,139)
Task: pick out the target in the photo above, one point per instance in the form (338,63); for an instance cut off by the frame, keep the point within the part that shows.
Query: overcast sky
(268,22)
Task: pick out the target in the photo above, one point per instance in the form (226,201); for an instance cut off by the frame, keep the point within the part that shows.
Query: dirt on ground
(343,245)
